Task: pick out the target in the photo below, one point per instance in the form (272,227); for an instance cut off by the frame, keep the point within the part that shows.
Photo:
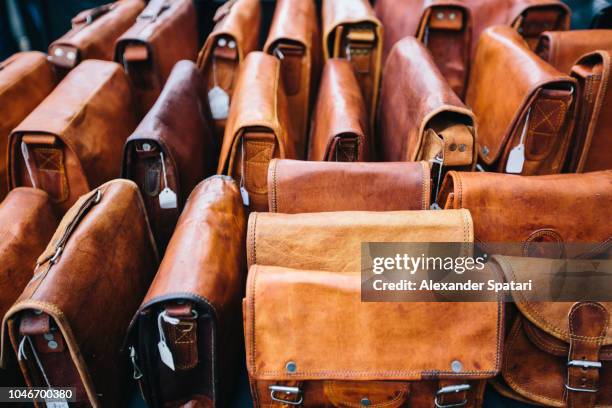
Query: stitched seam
(274,188)
(253,328)
(425,187)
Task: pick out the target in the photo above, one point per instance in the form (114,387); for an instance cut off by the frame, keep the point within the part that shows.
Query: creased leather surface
(562,49)
(302,187)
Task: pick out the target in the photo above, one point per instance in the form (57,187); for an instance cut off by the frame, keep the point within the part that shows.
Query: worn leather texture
(417,104)
(178,127)
(102,250)
(259,128)
(165,32)
(295,39)
(340,124)
(537,110)
(75,136)
(26,78)
(302,186)
(205,269)
(94,33)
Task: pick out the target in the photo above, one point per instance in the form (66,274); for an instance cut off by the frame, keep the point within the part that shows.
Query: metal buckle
(451,389)
(274,389)
(584,364)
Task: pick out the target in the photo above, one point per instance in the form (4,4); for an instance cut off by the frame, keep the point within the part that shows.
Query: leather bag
(26,78)
(340,126)
(296,186)
(178,131)
(73,140)
(259,128)
(235,34)
(93,33)
(165,32)
(295,39)
(195,300)
(104,253)
(526,126)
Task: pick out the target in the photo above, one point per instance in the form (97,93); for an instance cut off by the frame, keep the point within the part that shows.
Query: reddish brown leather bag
(340,126)
(259,128)
(195,302)
(73,140)
(26,79)
(165,32)
(302,186)
(524,106)
(294,38)
(352,31)
(236,33)
(68,325)
(94,33)
(176,130)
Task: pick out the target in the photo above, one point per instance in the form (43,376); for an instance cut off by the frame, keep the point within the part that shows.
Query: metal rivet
(453,147)
(485,150)
(52,344)
(291,367)
(146,147)
(365,402)
(452,16)
(58,52)
(231,45)
(49,336)
(71,55)
(222,42)
(462,147)
(456,366)
(440,16)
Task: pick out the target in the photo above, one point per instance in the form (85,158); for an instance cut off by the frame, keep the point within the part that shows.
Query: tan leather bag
(259,128)
(26,78)
(104,253)
(340,126)
(73,140)
(94,33)
(165,32)
(525,107)
(294,38)
(352,31)
(296,186)
(562,49)
(236,33)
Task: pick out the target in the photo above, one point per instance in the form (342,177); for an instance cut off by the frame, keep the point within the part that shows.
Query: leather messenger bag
(164,33)
(68,325)
(193,305)
(296,186)
(294,38)
(525,107)
(340,126)
(172,149)
(94,33)
(259,128)
(73,140)
(26,79)
(562,49)
(236,33)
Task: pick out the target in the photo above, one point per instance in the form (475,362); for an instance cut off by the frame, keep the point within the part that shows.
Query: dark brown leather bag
(294,38)
(26,79)
(195,301)
(94,33)
(68,325)
(259,128)
(340,127)
(352,31)
(302,186)
(176,130)
(525,107)
(165,32)
(27,222)
(236,33)
(73,140)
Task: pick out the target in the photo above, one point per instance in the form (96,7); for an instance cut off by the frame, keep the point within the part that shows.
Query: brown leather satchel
(236,33)
(172,149)
(94,33)
(340,126)
(73,140)
(524,106)
(302,186)
(294,38)
(193,305)
(591,149)
(26,79)
(68,325)
(352,31)
(558,354)
(164,33)
(259,128)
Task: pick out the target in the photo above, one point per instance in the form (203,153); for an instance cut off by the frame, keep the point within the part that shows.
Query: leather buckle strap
(585,365)
(277,392)
(439,399)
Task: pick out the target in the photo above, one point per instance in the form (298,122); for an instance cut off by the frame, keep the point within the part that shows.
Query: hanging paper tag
(245,196)
(167,199)
(219,102)
(165,354)
(55,403)
(516,159)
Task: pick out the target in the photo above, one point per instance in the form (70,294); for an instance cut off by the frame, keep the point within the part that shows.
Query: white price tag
(219,102)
